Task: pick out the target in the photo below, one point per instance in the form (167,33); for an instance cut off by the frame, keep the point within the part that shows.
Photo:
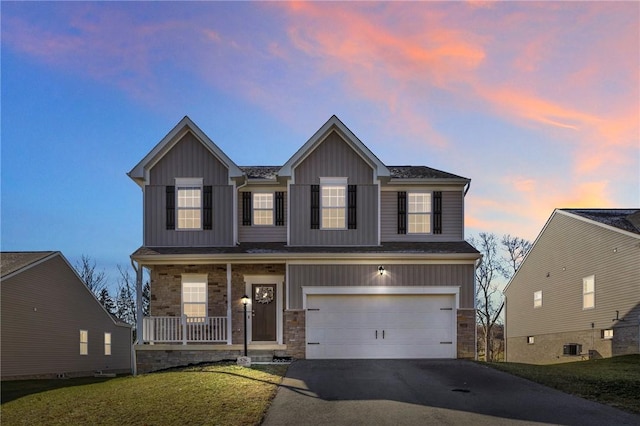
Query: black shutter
(402,212)
(352,204)
(170,203)
(207,207)
(246,209)
(315,206)
(279,208)
(437,212)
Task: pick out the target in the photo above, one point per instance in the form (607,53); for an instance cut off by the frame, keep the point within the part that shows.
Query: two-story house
(340,255)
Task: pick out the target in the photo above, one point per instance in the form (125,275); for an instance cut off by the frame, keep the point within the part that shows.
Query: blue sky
(537,103)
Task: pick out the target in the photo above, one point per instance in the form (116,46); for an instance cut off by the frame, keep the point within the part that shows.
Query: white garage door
(380,326)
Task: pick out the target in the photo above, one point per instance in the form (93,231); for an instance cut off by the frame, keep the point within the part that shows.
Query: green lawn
(220,394)
(613,381)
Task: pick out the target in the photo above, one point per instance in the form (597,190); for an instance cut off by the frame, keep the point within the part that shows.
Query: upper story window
(194,297)
(419,212)
(107,343)
(333,203)
(262,208)
(84,342)
(589,292)
(537,299)
(189,203)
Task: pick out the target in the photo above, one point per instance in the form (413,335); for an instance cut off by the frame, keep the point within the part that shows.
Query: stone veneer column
(466,329)
(294,333)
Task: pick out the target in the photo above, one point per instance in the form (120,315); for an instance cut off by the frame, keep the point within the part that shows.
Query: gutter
(466,188)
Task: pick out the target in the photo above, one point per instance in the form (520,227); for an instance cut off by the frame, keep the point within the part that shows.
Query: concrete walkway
(425,392)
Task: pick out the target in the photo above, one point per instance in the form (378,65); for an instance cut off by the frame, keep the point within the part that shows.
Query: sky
(538,103)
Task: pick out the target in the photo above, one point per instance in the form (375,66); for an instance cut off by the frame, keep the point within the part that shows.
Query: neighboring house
(53,325)
(341,255)
(577,293)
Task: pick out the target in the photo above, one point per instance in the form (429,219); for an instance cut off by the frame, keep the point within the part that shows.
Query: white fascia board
(395,183)
(334,123)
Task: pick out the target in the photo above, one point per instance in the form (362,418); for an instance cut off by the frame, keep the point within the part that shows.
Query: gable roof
(12,262)
(140,172)
(334,124)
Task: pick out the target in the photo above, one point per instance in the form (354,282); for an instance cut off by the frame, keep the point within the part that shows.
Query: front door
(263,322)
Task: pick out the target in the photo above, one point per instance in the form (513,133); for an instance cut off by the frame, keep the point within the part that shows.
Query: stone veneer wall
(466,328)
(294,333)
(154,360)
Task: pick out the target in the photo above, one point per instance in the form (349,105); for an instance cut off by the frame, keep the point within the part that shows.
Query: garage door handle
(376,334)
(383,334)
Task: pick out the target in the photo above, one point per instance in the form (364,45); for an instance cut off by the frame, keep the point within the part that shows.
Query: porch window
(107,343)
(263,208)
(194,297)
(589,292)
(189,201)
(84,342)
(333,197)
(419,212)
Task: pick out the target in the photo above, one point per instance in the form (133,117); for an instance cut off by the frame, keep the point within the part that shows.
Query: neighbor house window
(84,342)
(589,292)
(607,334)
(107,343)
(537,299)
(189,202)
(419,212)
(571,349)
(263,208)
(194,297)
(531,340)
(333,196)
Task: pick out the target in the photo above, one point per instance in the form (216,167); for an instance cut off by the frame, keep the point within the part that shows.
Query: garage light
(381,269)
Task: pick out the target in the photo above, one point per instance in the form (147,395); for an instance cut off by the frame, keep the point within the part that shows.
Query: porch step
(261,355)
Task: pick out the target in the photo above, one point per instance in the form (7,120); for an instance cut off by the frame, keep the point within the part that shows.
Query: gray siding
(156,234)
(189,158)
(568,251)
(367,275)
(333,158)
(367,220)
(261,233)
(452,219)
(43,310)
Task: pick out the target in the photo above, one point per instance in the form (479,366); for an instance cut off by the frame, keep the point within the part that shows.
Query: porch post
(139,314)
(229,304)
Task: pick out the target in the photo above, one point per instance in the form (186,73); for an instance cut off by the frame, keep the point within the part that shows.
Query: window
(107,343)
(189,201)
(589,292)
(607,334)
(84,342)
(571,349)
(194,297)
(531,340)
(333,195)
(419,212)
(537,299)
(263,208)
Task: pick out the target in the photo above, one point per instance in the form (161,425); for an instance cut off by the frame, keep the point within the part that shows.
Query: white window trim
(531,340)
(607,334)
(254,209)
(84,345)
(195,278)
(585,293)
(537,301)
(428,213)
(190,183)
(334,181)
(107,345)
(278,280)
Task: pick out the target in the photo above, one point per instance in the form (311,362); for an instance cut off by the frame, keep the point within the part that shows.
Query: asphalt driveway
(423,392)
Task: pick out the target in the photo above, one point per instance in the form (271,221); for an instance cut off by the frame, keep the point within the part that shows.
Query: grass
(613,381)
(218,394)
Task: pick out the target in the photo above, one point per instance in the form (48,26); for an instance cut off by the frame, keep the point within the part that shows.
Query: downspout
(236,225)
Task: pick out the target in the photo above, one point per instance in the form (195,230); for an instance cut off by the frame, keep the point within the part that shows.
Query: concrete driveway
(423,392)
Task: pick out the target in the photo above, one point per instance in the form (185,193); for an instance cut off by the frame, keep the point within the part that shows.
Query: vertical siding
(333,158)
(367,275)
(261,233)
(452,218)
(569,250)
(43,311)
(189,158)
(156,234)
(367,219)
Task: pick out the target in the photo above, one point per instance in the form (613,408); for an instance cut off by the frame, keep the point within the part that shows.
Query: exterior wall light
(381,269)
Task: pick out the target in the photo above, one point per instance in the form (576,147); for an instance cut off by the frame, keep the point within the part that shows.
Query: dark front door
(263,323)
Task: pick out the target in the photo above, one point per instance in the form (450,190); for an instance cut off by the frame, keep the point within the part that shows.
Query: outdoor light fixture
(245,301)
(381,269)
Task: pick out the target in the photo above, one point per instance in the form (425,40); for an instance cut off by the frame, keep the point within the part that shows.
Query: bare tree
(517,248)
(96,281)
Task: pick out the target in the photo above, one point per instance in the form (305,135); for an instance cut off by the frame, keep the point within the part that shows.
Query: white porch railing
(184,329)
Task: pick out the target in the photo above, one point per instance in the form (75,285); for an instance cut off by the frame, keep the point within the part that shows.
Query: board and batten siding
(157,235)
(43,310)
(460,275)
(366,233)
(260,233)
(452,219)
(189,158)
(333,158)
(568,251)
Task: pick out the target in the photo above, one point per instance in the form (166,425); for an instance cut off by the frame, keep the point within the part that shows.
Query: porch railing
(184,329)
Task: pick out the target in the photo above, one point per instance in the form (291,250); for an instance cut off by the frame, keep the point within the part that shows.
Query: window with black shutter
(279,208)
(402,212)
(352,205)
(246,208)
(315,206)
(437,212)
(170,210)
(207,207)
